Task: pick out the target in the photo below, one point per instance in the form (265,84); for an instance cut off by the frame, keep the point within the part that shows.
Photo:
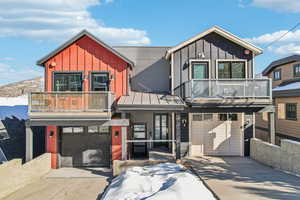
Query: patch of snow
(14,101)
(291,86)
(167,181)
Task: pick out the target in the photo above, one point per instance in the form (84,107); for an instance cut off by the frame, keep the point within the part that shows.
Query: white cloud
(6,59)
(289,44)
(109,1)
(7,71)
(279,5)
(270,37)
(286,49)
(59,20)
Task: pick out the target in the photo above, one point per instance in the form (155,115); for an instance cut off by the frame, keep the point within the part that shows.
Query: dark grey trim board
(286,93)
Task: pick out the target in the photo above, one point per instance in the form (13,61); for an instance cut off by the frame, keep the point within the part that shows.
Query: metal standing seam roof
(283,61)
(150,101)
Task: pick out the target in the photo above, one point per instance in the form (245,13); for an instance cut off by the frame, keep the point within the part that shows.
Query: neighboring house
(104,103)
(285,74)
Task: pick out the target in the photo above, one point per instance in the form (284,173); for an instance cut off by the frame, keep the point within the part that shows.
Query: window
(199,70)
(277,75)
(67,82)
(291,111)
(98,129)
(100,81)
(225,117)
(297,70)
(231,69)
(72,130)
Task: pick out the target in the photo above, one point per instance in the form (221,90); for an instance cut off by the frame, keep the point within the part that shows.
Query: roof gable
(221,32)
(282,61)
(77,37)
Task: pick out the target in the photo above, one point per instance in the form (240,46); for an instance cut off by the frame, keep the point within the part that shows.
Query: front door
(139,133)
(160,129)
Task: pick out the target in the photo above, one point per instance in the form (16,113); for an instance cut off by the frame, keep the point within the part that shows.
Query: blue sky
(29,29)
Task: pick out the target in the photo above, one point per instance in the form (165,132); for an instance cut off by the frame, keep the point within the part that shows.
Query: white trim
(232,60)
(222,32)
(242,135)
(199,60)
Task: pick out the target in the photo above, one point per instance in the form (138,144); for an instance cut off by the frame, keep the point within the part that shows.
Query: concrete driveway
(239,178)
(66,184)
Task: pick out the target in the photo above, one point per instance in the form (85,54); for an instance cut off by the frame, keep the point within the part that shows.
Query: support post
(29,143)
(124,139)
(173,134)
(272,127)
(178,136)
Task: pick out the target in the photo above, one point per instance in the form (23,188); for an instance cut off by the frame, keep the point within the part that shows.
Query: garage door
(85,146)
(216,134)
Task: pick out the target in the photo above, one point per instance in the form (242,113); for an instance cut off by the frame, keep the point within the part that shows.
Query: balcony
(227,91)
(70,105)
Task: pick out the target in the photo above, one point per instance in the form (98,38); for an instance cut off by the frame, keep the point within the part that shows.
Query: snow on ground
(291,86)
(14,101)
(167,181)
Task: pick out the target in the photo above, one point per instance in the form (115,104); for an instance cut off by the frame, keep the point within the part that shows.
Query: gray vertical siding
(214,47)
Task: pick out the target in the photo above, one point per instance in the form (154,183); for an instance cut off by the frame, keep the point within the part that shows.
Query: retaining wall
(285,157)
(14,175)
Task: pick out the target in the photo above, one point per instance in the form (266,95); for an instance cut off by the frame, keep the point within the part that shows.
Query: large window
(199,70)
(277,75)
(100,81)
(67,82)
(291,111)
(231,69)
(297,70)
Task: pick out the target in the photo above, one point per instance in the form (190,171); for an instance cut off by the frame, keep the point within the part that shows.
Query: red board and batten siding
(85,55)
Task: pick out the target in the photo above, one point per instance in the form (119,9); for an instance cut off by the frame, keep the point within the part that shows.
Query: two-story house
(285,74)
(103,103)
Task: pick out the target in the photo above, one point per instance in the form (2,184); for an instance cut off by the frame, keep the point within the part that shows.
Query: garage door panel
(217,137)
(85,149)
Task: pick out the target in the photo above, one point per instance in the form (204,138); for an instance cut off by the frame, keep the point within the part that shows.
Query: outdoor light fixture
(201,55)
(247,52)
(52,64)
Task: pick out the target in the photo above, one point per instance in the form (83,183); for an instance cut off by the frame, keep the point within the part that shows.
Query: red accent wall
(86,55)
(52,145)
(116,141)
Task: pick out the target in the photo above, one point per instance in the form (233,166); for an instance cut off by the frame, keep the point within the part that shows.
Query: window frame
(231,61)
(208,70)
(294,69)
(67,72)
(277,71)
(287,111)
(99,72)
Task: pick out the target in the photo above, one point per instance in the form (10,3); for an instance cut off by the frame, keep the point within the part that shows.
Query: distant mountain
(22,87)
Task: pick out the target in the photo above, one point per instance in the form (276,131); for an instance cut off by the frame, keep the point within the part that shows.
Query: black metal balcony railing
(70,102)
(225,88)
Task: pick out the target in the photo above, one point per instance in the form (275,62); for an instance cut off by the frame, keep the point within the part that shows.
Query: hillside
(22,87)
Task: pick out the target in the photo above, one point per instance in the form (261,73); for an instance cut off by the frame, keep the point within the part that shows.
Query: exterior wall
(116,142)
(287,73)
(148,118)
(214,47)
(288,127)
(286,157)
(149,63)
(17,175)
(85,55)
(52,145)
